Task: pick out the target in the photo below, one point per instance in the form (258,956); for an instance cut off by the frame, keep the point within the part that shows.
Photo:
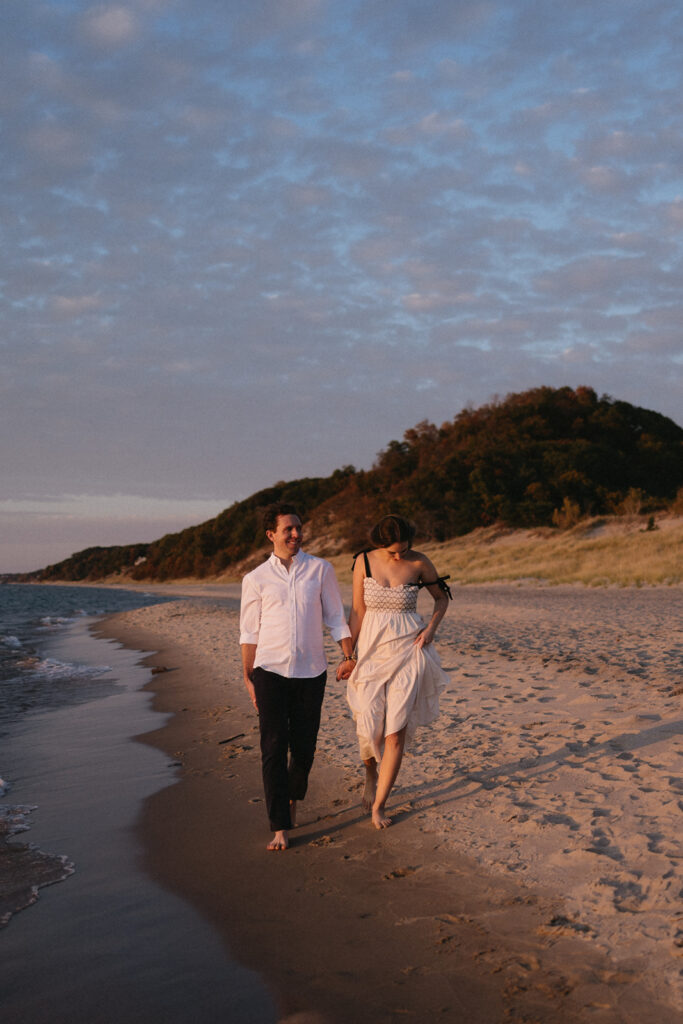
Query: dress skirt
(394,683)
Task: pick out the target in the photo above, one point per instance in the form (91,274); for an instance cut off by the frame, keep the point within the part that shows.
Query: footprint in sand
(602,845)
(322,841)
(627,896)
(557,818)
(566,925)
(401,873)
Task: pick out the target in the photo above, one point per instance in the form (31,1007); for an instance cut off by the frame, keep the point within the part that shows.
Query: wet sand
(533,872)
(108,945)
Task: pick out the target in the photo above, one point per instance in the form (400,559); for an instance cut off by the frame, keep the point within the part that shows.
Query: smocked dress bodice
(389,599)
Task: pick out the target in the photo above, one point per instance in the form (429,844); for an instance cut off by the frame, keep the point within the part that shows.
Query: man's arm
(335,619)
(250,624)
(248,657)
(332,605)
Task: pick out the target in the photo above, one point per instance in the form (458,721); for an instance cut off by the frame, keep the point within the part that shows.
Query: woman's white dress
(394,683)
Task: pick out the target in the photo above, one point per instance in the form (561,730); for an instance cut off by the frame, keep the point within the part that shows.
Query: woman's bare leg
(394,744)
(370,784)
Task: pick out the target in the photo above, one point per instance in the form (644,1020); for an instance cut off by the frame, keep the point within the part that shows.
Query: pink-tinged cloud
(110,25)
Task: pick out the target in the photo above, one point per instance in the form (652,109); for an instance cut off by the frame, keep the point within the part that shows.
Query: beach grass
(605,551)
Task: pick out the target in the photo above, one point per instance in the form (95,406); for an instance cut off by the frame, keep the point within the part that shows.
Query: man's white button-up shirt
(283,613)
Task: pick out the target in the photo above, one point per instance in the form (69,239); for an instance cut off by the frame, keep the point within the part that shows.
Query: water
(32,616)
(33,620)
(107,943)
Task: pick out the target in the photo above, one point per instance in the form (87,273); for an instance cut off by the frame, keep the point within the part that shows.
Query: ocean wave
(12,642)
(28,868)
(50,622)
(53,670)
(14,820)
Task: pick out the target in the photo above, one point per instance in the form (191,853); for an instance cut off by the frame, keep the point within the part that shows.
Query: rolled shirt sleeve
(250,612)
(334,615)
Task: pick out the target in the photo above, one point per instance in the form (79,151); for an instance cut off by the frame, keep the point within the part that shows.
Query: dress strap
(364,553)
(440,583)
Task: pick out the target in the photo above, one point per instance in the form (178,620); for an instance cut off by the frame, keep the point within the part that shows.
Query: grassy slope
(606,551)
(597,552)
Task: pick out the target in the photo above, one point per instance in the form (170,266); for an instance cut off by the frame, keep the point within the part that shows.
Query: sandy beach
(534,870)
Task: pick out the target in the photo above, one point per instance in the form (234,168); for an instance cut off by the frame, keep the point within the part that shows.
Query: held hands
(345,668)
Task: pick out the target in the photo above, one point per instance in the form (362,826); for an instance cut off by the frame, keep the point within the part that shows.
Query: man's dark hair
(273,513)
(390,530)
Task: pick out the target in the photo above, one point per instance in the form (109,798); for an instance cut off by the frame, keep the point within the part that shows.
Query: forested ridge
(544,457)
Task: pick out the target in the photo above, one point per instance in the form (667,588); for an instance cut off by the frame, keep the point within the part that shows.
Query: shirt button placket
(292,619)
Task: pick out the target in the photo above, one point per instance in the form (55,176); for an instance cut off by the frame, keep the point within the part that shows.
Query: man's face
(286,537)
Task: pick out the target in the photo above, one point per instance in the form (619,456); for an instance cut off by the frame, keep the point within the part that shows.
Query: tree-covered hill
(543,457)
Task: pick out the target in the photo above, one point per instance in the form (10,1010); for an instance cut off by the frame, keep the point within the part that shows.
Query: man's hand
(345,668)
(251,691)
(248,659)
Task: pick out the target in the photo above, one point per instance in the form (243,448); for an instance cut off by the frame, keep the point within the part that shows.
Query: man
(285,603)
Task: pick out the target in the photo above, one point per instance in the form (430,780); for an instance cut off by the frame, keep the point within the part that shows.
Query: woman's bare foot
(379,818)
(279,841)
(370,790)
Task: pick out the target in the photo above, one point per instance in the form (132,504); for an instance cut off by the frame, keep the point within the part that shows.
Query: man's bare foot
(292,812)
(370,788)
(279,841)
(379,818)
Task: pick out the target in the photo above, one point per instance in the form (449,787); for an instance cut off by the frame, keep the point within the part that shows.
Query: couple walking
(392,686)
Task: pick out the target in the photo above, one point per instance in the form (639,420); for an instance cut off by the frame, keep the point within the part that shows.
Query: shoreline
(356,924)
(108,944)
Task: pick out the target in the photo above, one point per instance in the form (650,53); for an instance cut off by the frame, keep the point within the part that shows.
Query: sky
(252,242)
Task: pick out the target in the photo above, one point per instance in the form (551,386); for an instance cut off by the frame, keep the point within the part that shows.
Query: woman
(397,679)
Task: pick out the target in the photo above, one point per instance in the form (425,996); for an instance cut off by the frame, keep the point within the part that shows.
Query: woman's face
(398,550)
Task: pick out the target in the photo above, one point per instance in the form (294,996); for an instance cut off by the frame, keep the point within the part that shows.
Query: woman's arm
(358,600)
(357,610)
(440,603)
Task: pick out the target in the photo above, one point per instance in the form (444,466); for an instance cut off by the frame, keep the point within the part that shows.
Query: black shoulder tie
(364,553)
(440,583)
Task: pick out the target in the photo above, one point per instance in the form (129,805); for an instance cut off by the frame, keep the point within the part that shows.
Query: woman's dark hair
(390,530)
(273,513)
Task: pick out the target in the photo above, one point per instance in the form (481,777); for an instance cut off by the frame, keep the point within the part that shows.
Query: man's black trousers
(289,718)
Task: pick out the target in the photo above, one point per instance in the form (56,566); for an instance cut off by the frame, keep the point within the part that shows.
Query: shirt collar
(300,556)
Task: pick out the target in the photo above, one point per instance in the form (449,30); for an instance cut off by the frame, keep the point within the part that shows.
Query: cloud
(419,302)
(674,214)
(76,305)
(441,124)
(56,144)
(246,242)
(110,26)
